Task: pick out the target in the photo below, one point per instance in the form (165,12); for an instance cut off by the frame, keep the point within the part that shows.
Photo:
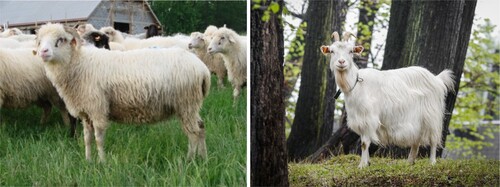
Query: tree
(317,85)
(432,34)
(269,165)
(190,16)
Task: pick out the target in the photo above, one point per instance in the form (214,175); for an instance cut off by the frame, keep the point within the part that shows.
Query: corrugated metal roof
(17,12)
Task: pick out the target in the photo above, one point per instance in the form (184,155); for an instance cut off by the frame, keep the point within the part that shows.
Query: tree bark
(268,151)
(310,108)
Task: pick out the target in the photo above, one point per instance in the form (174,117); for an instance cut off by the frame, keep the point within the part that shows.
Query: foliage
(343,171)
(191,16)
(273,7)
(155,155)
(473,111)
(293,68)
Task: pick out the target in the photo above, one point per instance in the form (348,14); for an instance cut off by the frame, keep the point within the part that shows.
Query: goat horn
(335,36)
(346,36)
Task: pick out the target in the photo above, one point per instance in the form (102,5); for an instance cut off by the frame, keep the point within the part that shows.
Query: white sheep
(234,52)
(199,43)
(403,107)
(157,41)
(84,28)
(23,83)
(10,32)
(139,86)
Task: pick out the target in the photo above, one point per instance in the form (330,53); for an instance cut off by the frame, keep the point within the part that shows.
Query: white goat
(403,107)
(139,86)
(199,43)
(234,52)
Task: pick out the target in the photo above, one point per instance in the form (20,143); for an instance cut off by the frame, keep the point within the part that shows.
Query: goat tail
(448,79)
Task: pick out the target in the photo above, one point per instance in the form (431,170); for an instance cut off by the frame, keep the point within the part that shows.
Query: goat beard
(342,80)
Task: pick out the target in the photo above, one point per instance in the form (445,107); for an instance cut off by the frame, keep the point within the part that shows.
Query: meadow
(34,154)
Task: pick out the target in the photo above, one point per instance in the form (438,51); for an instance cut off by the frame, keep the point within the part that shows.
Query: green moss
(343,171)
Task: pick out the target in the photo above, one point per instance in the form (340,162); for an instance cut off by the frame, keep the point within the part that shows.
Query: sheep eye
(59,41)
(222,38)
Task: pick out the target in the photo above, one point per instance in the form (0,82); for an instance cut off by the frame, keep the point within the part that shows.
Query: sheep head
(55,42)
(110,32)
(341,52)
(222,40)
(197,40)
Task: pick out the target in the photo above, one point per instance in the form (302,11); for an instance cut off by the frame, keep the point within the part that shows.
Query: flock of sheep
(105,75)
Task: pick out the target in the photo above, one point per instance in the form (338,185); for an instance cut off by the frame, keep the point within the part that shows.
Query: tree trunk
(436,36)
(309,112)
(268,151)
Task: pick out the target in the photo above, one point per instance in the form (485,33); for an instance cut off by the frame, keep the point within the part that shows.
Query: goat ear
(358,49)
(325,50)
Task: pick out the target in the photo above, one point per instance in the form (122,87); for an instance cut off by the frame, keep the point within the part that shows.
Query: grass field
(153,155)
(343,171)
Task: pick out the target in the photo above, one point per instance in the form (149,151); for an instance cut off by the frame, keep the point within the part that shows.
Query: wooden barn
(129,16)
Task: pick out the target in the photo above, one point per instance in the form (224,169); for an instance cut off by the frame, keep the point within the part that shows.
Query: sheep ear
(358,49)
(34,52)
(146,27)
(325,50)
(73,42)
(231,39)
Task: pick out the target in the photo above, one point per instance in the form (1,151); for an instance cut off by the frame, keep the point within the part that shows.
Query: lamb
(403,107)
(139,86)
(23,83)
(215,64)
(234,52)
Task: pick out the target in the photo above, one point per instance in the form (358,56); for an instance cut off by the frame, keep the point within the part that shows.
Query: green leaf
(275,7)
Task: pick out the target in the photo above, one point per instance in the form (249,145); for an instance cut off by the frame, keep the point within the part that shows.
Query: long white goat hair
(139,86)
(403,107)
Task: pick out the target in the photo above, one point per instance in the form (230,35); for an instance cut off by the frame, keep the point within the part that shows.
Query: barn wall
(134,13)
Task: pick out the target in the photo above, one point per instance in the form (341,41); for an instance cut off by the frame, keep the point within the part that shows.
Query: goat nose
(341,61)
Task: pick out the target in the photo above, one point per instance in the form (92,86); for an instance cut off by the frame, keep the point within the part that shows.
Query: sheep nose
(209,49)
(45,50)
(341,61)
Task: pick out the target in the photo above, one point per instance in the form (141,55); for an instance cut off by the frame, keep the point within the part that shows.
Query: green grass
(343,171)
(153,155)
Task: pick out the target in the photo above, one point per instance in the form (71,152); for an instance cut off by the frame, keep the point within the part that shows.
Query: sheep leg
(202,146)
(87,136)
(99,133)
(236,93)
(47,108)
(365,154)
(220,80)
(195,132)
(413,153)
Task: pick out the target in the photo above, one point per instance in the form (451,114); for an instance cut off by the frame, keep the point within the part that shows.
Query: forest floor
(343,171)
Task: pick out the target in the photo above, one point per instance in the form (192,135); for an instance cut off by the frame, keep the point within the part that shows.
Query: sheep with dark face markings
(139,86)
